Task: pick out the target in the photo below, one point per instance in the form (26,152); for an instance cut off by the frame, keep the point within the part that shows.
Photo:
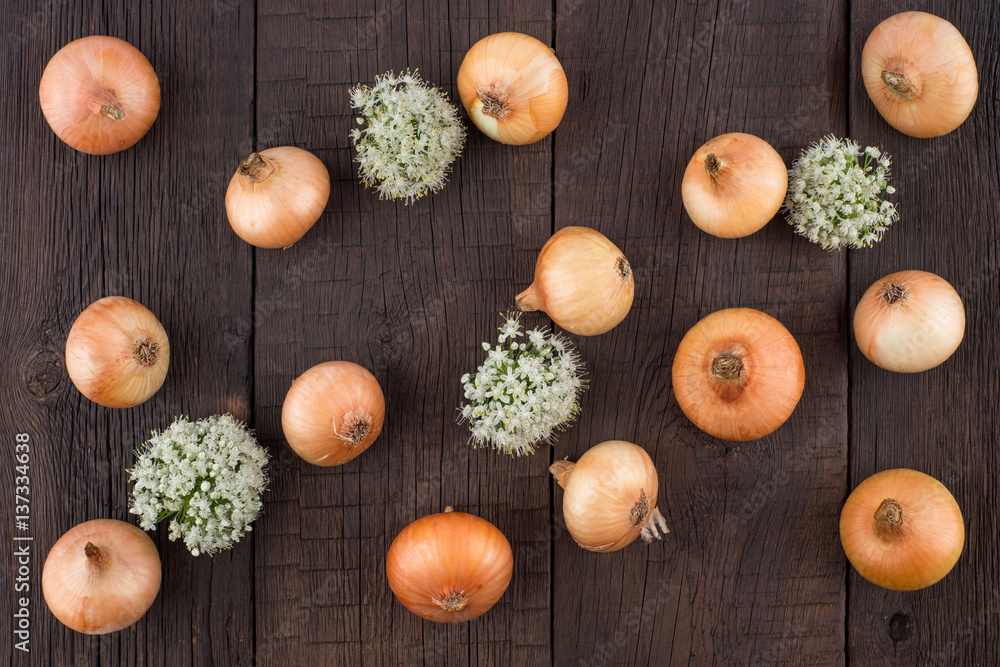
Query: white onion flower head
(524,391)
(206,477)
(834,194)
(407,138)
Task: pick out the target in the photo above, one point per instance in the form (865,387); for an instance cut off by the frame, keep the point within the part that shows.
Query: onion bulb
(332,413)
(610,496)
(738,374)
(902,530)
(99,94)
(513,88)
(276,196)
(734,185)
(101,576)
(920,73)
(117,352)
(909,321)
(582,281)
(449,567)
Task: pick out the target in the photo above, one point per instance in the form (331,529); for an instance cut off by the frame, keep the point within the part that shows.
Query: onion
(332,413)
(513,88)
(920,73)
(582,281)
(734,185)
(449,567)
(902,530)
(117,352)
(610,496)
(276,196)
(909,321)
(738,374)
(99,94)
(101,576)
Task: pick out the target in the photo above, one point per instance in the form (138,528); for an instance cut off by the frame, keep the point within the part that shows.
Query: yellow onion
(276,196)
(920,73)
(333,412)
(610,496)
(909,321)
(582,281)
(902,530)
(513,88)
(738,374)
(449,567)
(117,353)
(734,185)
(99,94)
(101,576)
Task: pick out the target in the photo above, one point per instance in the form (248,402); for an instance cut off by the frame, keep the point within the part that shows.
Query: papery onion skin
(920,73)
(276,196)
(734,185)
(99,94)
(333,412)
(610,496)
(902,530)
(449,567)
(101,576)
(513,88)
(909,321)
(582,281)
(117,352)
(738,374)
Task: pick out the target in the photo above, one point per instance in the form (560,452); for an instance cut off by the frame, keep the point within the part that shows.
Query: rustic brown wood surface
(752,571)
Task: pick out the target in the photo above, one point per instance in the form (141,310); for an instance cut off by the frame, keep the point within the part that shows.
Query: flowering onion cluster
(206,477)
(409,136)
(523,391)
(834,198)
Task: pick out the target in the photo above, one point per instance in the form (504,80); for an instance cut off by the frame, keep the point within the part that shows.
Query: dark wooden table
(752,572)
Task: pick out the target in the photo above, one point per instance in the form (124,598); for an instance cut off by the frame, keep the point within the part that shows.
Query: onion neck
(95,556)
(146,351)
(712,165)
(899,83)
(729,367)
(888,520)
(355,425)
(623,268)
(113,112)
(257,168)
(494,103)
(528,301)
(104,102)
(895,293)
(640,510)
(452,601)
(561,470)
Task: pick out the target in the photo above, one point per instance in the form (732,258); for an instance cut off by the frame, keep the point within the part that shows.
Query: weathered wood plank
(751,573)
(147,223)
(945,421)
(408,292)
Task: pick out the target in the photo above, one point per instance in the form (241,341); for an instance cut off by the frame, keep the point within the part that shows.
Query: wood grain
(944,421)
(408,292)
(147,223)
(752,572)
